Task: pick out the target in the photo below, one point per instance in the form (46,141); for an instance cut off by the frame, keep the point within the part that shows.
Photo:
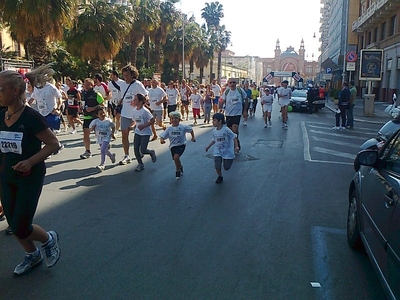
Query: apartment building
(377,27)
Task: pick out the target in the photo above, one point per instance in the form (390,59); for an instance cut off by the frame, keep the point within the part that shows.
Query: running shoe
(125,160)
(335,127)
(245,123)
(86,155)
(101,168)
(219,179)
(153,156)
(52,250)
(178,174)
(113,158)
(265,125)
(30,261)
(181,171)
(270,123)
(342,128)
(73,131)
(285,125)
(140,167)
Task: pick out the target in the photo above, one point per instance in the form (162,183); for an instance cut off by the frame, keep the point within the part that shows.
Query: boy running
(176,134)
(226,143)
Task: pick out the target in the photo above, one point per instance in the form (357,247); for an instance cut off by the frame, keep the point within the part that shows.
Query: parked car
(381,137)
(299,101)
(373,218)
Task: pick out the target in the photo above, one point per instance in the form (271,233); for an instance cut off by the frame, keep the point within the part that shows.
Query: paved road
(275,225)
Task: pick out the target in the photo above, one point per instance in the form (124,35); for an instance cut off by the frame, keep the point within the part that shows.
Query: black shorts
(86,123)
(178,150)
(73,112)
(231,120)
(185,103)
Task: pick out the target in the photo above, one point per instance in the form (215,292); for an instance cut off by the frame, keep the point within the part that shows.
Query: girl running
(266,101)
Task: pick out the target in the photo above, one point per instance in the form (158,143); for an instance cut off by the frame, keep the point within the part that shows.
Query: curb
(361,120)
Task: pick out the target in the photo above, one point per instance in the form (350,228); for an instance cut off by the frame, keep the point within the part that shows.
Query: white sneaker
(335,127)
(342,128)
(101,168)
(52,250)
(73,131)
(125,160)
(266,125)
(270,123)
(283,125)
(30,261)
(245,123)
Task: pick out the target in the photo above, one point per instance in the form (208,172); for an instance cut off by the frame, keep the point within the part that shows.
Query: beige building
(377,27)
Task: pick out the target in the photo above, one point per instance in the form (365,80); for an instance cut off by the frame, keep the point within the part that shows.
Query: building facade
(377,27)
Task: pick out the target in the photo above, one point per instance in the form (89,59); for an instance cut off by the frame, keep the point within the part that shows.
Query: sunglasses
(230,82)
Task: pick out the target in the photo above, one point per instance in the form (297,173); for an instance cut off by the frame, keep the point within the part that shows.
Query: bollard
(369,105)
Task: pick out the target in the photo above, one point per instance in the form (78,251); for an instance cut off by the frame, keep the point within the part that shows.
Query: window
(393,24)
(383,31)
(369,37)
(376,34)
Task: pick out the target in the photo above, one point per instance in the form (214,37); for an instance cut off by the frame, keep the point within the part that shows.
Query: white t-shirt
(172,96)
(176,135)
(142,116)
(196,100)
(132,89)
(216,89)
(224,145)
(233,102)
(285,94)
(46,98)
(103,129)
(115,93)
(156,95)
(266,101)
(184,91)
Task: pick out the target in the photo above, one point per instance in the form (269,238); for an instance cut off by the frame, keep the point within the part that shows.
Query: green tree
(99,31)
(34,23)
(224,38)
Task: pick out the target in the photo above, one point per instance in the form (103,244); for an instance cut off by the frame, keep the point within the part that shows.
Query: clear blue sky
(255,25)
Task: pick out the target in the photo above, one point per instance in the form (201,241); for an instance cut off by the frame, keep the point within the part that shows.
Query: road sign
(328,70)
(351,57)
(327,76)
(350,66)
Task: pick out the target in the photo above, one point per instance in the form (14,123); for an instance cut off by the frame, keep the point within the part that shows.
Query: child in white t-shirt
(104,129)
(195,99)
(226,142)
(266,100)
(176,134)
(142,119)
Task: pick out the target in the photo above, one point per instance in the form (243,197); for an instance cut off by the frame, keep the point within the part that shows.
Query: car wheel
(353,231)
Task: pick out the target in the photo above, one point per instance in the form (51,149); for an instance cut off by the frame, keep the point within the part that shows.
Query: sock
(49,240)
(34,253)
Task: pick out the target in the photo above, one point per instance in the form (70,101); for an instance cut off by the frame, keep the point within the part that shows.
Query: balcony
(375,13)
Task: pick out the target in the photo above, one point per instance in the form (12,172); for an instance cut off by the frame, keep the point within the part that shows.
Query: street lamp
(183,42)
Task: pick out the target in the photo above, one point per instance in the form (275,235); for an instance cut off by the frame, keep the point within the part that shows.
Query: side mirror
(368,158)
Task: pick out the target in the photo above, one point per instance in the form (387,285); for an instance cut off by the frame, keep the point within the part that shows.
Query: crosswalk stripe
(339,135)
(351,131)
(330,141)
(335,153)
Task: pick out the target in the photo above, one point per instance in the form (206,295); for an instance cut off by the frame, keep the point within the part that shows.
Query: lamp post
(183,42)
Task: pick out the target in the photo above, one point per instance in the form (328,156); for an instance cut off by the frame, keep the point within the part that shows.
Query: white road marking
(338,135)
(306,142)
(330,141)
(335,153)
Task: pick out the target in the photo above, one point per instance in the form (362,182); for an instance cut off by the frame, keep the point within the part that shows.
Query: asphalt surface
(274,227)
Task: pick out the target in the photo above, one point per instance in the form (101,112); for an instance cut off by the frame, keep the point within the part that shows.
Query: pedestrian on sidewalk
(343,104)
(352,103)
(22,133)
(176,134)
(226,143)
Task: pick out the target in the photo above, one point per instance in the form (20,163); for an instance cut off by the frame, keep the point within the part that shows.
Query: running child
(142,118)
(195,100)
(104,129)
(176,134)
(226,143)
(266,100)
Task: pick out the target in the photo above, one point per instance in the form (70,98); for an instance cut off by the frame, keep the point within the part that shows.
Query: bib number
(11,142)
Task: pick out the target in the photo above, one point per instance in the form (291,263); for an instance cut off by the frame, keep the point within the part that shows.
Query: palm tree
(169,16)
(99,31)
(224,38)
(203,52)
(212,13)
(34,23)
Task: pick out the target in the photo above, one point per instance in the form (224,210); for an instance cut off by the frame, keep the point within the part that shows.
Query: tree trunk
(176,69)
(191,67)
(96,64)
(133,54)
(201,75)
(211,69)
(146,51)
(39,48)
(158,52)
(219,65)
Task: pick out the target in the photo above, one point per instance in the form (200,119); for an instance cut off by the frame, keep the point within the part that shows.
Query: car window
(391,155)
(299,93)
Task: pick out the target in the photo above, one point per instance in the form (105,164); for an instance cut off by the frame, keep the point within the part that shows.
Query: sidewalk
(380,117)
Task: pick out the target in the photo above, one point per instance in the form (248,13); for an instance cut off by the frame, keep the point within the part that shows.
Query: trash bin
(369,105)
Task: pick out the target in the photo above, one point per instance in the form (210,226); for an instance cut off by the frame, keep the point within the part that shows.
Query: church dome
(289,53)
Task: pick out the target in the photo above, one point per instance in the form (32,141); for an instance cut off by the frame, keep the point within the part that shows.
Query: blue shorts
(215,100)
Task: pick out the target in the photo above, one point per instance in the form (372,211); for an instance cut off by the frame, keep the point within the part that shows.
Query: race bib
(42,105)
(70,101)
(235,100)
(11,142)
